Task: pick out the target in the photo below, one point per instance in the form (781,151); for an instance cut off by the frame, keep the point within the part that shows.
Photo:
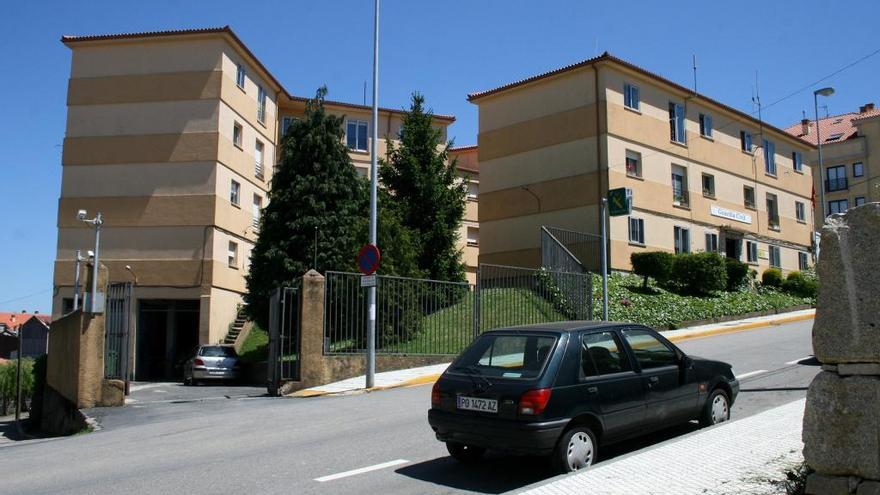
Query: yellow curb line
(425,379)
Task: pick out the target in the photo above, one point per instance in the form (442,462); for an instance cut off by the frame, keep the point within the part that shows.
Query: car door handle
(592,390)
(654,379)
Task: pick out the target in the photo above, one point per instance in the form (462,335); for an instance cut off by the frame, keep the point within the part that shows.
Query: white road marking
(750,373)
(362,470)
(796,361)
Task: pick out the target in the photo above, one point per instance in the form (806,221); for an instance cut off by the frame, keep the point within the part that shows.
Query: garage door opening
(167,333)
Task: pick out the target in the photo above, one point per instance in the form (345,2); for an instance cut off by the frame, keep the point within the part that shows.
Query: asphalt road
(217,445)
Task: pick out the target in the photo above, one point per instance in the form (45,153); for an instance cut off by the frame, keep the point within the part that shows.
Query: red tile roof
(834,128)
(66,39)
(607,57)
(20,318)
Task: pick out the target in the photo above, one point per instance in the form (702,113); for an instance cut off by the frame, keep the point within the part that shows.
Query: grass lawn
(255,347)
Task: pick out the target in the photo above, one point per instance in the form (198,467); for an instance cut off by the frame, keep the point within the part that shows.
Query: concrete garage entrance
(167,332)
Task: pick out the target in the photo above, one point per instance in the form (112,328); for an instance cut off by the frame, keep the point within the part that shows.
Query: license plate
(477,404)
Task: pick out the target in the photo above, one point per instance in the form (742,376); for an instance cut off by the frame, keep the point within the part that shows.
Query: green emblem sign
(620,202)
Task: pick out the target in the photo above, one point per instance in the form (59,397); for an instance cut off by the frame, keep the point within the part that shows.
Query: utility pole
(76,280)
(604,260)
(374,179)
(18,381)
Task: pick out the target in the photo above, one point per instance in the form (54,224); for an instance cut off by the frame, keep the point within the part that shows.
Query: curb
(697,334)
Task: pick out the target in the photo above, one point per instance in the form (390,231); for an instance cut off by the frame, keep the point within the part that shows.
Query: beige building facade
(172,137)
(703,175)
(850,173)
(468,166)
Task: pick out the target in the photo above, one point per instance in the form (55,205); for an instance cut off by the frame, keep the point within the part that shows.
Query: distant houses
(35,334)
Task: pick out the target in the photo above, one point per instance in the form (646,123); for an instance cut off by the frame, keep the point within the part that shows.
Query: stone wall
(842,419)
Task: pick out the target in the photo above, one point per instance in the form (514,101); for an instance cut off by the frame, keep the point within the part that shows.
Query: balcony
(839,184)
(680,198)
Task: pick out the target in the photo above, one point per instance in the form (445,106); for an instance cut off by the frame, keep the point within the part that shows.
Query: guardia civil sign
(619,201)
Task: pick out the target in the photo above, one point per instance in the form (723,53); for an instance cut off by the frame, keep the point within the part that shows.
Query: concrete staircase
(237,326)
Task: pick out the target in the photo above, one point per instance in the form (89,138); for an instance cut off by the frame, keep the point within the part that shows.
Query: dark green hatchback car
(564,389)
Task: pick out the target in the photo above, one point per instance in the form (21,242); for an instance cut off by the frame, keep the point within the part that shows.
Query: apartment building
(468,167)
(851,172)
(172,137)
(704,176)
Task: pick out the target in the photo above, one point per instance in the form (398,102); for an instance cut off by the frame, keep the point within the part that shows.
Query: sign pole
(374,178)
(604,261)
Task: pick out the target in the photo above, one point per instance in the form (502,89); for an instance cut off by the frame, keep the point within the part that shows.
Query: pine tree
(428,196)
(315,186)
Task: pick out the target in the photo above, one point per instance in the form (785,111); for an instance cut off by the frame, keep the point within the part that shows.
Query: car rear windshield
(217,351)
(506,356)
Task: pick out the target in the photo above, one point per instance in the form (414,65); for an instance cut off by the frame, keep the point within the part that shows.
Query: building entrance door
(733,247)
(167,333)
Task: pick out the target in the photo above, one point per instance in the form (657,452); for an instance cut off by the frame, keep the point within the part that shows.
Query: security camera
(90,253)
(128,267)
(81,214)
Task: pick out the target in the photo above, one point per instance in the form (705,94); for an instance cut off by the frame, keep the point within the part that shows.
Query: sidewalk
(428,374)
(742,456)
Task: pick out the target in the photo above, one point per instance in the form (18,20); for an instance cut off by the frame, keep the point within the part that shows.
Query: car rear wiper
(473,371)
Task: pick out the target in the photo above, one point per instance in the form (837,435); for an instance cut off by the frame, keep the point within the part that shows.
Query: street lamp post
(374,179)
(96,222)
(18,378)
(76,279)
(824,92)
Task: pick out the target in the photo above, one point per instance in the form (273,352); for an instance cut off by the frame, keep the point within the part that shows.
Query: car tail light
(534,402)
(199,362)
(435,395)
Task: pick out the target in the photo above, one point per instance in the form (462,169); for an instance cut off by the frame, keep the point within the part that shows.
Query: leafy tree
(315,186)
(654,264)
(427,195)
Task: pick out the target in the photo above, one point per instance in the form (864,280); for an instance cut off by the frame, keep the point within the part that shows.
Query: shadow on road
(499,473)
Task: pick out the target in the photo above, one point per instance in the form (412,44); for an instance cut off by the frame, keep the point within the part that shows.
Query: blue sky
(442,49)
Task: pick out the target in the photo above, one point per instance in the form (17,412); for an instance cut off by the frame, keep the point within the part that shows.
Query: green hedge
(772,277)
(700,273)
(801,285)
(737,273)
(653,264)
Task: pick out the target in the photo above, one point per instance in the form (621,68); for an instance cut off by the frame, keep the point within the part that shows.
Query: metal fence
(559,247)
(285,308)
(519,296)
(413,316)
(117,324)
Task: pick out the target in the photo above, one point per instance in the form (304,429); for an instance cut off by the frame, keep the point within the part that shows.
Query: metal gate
(117,328)
(284,337)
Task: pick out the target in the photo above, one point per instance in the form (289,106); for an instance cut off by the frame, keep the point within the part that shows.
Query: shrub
(700,273)
(737,273)
(772,277)
(654,264)
(799,285)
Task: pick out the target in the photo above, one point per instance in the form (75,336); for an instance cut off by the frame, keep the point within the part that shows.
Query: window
(650,353)
(676,123)
(709,185)
(705,125)
(839,206)
(803,263)
(772,211)
(711,242)
(286,122)
(258,159)
(769,157)
(602,354)
(775,259)
(234,193)
(240,75)
(858,169)
(473,190)
(356,135)
(257,210)
(236,134)
(836,178)
(800,212)
(473,236)
(834,137)
(682,240)
(745,141)
(631,96)
(797,161)
(751,252)
(633,163)
(860,200)
(508,356)
(749,197)
(679,186)
(261,104)
(232,255)
(637,231)
(66,305)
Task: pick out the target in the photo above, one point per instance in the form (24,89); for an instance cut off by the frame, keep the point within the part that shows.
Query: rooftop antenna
(695,74)
(804,114)
(365,93)
(596,52)
(757,101)
(826,110)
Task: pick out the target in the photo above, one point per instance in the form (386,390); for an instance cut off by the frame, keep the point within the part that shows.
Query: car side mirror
(686,362)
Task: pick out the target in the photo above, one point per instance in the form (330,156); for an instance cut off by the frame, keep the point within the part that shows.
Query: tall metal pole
(821,171)
(76,280)
(98,221)
(18,382)
(604,260)
(374,179)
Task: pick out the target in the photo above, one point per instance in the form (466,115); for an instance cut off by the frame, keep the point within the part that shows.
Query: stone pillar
(842,419)
(312,369)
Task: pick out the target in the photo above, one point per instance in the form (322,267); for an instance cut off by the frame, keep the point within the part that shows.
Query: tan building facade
(850,173)
(704,176)
(172,136)
(468,166)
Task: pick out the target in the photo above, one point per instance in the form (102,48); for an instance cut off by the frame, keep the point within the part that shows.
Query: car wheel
(716,410)
(187,379)
(576,450)
(465,453)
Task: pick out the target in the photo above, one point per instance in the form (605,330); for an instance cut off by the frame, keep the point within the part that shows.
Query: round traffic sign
(368,259)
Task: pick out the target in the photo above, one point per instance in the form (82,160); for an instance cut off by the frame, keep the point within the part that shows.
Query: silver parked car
(211,362)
